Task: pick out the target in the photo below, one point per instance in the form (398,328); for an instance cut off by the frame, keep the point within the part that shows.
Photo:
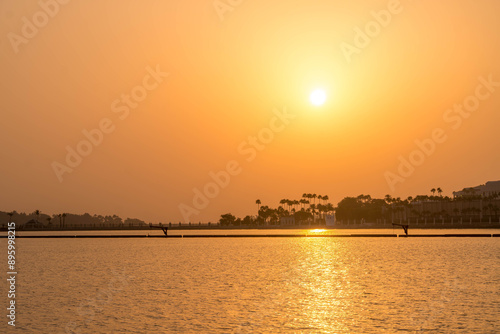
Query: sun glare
(318,97)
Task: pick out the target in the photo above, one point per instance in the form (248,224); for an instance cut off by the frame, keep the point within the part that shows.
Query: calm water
(258,285)
(396,230)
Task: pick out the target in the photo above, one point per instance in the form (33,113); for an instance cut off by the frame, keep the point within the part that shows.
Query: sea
(255,285)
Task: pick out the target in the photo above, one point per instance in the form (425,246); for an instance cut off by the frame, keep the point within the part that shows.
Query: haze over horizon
(179,90)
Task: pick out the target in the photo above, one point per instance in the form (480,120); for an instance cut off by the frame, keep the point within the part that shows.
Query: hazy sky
(231,70)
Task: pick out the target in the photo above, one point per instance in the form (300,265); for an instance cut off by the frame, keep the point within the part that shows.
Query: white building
(330,220)
(290,220)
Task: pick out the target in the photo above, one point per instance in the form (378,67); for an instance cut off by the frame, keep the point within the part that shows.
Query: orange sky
(225,78)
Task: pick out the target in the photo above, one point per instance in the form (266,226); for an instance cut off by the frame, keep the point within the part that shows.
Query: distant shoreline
(395,235)
(343,227)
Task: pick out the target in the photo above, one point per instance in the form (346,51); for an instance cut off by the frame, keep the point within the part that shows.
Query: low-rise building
(490,188)
(289,220)
(330,220)
(33,224)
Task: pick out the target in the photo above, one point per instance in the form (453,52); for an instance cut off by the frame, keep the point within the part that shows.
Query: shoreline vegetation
(310,211)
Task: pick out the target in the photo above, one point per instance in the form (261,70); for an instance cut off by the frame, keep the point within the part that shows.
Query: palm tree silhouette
(433,191)
(309,196)
(64,219)
(303,202)
(283,201)
(290,204)
(321,209)
(440,191)
(258,202)
(313,211)
(37,214)
(329,207)
(60,221)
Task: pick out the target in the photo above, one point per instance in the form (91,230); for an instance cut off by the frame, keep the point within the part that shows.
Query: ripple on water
(259,285)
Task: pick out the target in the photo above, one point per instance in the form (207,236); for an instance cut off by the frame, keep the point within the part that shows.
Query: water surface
(258,285)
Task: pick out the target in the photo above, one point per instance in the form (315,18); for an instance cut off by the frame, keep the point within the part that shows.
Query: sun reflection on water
(317,278)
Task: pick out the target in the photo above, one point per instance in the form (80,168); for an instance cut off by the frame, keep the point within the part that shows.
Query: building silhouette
(490,188)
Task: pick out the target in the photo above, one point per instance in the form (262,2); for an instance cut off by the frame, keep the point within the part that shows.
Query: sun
(318,97)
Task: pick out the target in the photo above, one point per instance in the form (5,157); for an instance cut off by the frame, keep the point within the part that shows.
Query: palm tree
(284,202)
(265,212)
(322,209)
(281,211)
(440,191)
(313,211)
(64,219)
(37,214)
(60,221)
(326,198)
(314,197)
(433,191)
(258,202)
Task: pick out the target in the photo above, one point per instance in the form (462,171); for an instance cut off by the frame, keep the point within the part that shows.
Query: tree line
(368,208)
(65,220)
(304,211)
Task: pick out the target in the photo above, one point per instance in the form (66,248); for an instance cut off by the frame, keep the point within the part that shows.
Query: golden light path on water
(322,280)
(317,231)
